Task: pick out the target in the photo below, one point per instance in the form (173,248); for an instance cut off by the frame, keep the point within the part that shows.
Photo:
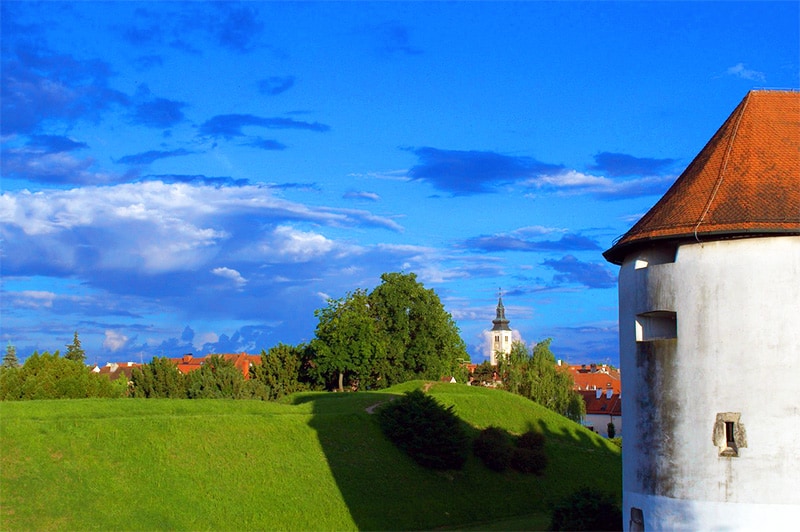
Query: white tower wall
(709,338)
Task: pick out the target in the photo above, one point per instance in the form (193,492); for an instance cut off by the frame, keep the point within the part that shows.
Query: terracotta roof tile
(745,181)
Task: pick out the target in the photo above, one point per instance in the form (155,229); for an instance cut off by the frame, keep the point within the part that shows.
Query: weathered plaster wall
(736,349)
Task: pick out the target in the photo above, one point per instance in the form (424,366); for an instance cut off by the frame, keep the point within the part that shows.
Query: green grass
(316,461)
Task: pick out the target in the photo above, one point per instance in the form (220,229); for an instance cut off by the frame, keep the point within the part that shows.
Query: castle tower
(709,299)
(500,340)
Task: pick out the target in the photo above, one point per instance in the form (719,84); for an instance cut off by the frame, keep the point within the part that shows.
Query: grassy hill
(317,461)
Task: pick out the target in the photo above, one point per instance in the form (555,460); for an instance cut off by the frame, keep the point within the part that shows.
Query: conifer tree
(10,358)
(75,351)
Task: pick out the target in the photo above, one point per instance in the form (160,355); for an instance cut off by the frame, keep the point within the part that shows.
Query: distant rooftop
(745,181)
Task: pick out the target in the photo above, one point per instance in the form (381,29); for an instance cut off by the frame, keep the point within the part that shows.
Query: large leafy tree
(422,340)
(536,376)
(399,331)
(347,346)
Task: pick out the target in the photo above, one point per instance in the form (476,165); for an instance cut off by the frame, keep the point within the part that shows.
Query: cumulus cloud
(114,341)
(231,275)
(156,227)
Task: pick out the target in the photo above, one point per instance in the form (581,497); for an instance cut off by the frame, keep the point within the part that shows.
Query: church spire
(500,323)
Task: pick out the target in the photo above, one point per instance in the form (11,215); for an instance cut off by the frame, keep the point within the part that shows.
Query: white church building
(500,337)
(709,325)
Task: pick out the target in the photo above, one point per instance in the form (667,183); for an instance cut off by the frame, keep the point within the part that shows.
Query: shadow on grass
(384,489)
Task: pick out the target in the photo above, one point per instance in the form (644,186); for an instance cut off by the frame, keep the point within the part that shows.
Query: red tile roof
(605,404)
(243,361)
(745,181)
(595,377)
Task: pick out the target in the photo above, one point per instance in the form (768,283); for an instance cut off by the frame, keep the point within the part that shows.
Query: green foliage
(422,340)
(429,433)
(483,373)
(398,332)
(50,376)
(158,379)
(535,376)
(280,370)
(10,358)
(347,346)
(587,509)
(617,441)
(493,447)
(217,378)
(75,351)
(529,461)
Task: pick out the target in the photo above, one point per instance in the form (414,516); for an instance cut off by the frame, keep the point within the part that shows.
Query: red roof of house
(745,181)
(605,404)
(243,361)
(595,377)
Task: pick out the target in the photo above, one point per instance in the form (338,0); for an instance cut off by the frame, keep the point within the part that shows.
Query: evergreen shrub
(428,432)
(493,446)
(587,509)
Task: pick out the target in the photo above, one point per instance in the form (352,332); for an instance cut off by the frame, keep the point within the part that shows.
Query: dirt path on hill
(371,409)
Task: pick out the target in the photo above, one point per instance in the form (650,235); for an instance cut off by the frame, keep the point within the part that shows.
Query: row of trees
(218,378)
(397,332)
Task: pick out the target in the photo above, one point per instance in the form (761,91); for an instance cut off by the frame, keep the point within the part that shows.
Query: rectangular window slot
(656,325)
(653,257)
(729,434)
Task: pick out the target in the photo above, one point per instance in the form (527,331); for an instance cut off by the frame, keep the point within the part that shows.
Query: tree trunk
(341,381)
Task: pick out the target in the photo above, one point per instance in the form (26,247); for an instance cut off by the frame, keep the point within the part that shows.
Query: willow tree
(534,374)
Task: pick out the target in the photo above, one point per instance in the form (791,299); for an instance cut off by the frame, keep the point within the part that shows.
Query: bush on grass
(429,433)
(493,447)
(587,509)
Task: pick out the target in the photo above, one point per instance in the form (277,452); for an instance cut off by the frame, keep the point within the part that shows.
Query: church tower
(500,340)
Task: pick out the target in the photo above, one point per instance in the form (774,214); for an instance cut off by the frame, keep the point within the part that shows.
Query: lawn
(316,461)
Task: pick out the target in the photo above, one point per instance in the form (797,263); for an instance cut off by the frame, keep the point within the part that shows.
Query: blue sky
(199,177)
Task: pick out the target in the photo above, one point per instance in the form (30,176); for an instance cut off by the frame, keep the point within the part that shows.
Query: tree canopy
(535,375)
(399,331)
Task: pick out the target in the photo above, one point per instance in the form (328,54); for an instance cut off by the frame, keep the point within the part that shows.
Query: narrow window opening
(729,434)
(637,520)
(656,325)
(729,440)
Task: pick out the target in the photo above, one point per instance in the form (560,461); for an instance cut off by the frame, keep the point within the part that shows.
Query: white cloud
(739,70)
(230,274)
(33,299)
(156,227)
(292,245)
(114,341)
